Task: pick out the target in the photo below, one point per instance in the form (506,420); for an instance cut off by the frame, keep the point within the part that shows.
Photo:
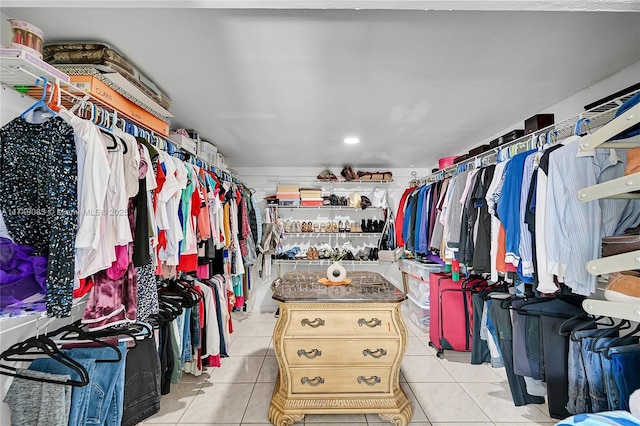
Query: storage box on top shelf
(537,122)
(105,94)
(184,142)
(206,147)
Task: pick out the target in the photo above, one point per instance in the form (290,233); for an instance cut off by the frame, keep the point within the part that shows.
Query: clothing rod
(595,116)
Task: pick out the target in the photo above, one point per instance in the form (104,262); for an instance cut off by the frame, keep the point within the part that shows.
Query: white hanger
(605,133)
(615,188)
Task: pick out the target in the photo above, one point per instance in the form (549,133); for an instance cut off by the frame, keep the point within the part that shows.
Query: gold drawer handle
(371,381)
(315,323)
(316,381)
(311,354)
(378,353)
(373,322)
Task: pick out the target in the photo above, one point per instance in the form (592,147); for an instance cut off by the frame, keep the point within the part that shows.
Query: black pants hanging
(142,383)
(502,322)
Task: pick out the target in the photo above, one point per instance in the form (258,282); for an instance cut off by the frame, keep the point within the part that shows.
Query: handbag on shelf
(387,250)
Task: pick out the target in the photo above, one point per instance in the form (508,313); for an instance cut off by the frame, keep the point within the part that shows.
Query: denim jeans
(579,395)
(610,386)
(626,371)
(187,351)
(106,387)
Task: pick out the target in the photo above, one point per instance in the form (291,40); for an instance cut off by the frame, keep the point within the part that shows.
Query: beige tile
(462,424)
(463,371)
(424,369)
(249,346)
(157,424)
(333,423)
(502,372)
(417,418)
(220,402)
(173,405)
(190,378)
(415,347)
(447,402)
(524,424)
(425,341)
(269,370)
(496,401)
(343,419)
(258,408)
(261,317)
(237,369)
(257,329)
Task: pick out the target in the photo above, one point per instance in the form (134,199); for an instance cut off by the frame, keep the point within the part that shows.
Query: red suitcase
(451,312)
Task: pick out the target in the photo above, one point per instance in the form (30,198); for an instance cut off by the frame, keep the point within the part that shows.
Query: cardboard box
(124,106)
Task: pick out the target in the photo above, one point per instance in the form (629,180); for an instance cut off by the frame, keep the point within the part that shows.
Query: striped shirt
(574,229)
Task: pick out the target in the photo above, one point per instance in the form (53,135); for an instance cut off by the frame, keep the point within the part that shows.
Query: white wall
(575,104)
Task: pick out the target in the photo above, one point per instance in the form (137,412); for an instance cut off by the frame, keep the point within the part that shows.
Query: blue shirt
(508,208)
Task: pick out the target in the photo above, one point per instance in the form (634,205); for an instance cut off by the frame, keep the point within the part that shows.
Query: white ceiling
(283,87)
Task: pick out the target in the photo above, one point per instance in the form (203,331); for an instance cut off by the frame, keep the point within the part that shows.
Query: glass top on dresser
(364,287)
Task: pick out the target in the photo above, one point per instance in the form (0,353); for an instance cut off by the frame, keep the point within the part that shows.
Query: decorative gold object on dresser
(339,349)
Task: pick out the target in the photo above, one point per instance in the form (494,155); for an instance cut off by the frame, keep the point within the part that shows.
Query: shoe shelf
(326,208)
(353,181)
(346,234)
(325,262)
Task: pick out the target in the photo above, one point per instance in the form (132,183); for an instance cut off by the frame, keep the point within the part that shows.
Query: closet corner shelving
(622,187)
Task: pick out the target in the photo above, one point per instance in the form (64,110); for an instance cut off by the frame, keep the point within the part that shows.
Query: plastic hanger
(34,348)
(73,333)
(41,103)
(54,101)
(610,348)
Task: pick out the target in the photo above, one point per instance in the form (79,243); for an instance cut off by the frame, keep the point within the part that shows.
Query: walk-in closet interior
(328,212)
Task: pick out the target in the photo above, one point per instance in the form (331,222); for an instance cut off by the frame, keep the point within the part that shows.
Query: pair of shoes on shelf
(623,287)
(349,174)
(327,175)
(312,254)
(344,226)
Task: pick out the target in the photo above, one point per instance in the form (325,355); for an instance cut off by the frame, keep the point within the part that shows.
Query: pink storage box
(445,162)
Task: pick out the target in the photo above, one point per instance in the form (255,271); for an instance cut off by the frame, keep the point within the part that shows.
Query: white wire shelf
(324,262)
(353,181)
(331,234)
(325,207)
(13,63)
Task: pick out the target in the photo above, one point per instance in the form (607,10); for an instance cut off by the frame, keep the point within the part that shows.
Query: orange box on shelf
(106,94)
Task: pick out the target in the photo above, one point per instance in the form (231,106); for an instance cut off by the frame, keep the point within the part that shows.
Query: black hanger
(112,137)
(32,349)
(74,331)
(610,332)
(617,342)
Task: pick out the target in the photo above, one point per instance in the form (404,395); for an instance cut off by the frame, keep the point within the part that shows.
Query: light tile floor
(443,392)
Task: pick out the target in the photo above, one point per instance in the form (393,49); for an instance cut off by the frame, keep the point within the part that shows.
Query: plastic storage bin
(419,314)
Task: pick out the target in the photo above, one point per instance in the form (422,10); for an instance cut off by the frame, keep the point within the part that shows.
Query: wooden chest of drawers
(339,354)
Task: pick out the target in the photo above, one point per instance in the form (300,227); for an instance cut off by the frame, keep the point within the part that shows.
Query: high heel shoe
(334,227)
(340,226)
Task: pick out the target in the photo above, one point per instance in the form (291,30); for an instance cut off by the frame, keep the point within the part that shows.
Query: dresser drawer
(341,351)
(340,380)
(341,323)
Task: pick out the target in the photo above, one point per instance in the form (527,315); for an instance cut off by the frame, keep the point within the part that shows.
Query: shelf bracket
(615,188)
(619,262)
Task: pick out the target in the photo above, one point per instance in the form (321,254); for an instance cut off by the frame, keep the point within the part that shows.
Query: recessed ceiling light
(351,140)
